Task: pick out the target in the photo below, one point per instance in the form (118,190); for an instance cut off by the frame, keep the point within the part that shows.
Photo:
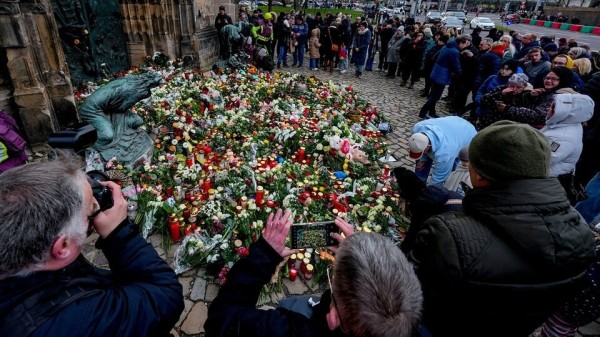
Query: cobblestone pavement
(400,105)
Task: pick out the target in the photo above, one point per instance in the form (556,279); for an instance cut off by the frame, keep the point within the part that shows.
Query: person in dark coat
(367,268)
(47,288)
(414,60)
(475,37)
(430,59)
(514,253)
(282,33)
(589,161)
(385,33)
(221,20)
(422,202)
(360,45)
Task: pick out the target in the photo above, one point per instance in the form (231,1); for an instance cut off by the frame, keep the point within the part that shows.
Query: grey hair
(578,51)
(376,290)
(489,40)
(40,201)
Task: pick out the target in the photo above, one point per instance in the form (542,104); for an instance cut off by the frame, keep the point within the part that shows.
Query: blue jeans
(282,55)
(314,63)
(423,173)
(299,54)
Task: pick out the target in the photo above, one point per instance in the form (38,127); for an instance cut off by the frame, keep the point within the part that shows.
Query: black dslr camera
(102,194)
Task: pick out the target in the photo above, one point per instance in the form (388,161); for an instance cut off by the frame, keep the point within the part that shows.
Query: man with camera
(47,288)
(374,291)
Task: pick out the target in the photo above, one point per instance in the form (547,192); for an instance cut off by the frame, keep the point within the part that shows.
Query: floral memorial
(232,146)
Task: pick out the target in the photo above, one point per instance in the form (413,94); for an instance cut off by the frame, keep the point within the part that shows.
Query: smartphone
(314,234)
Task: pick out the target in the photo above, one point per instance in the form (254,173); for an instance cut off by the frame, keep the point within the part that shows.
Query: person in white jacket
(565,133)
(564,130)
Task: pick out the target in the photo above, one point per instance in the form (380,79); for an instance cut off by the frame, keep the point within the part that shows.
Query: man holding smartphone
(47,288)
(368,267)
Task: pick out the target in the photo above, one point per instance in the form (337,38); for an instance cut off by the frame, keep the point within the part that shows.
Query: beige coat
(313,44)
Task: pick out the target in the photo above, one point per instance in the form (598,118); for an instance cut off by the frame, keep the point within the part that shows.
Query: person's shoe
(410,86)
(343,71)
(299,66)
(446,98)
(433,116)
(423,117)
(424,95)
(278,65)
(293,64)
(403,83)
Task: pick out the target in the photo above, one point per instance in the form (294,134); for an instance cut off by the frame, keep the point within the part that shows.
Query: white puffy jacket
(565,132)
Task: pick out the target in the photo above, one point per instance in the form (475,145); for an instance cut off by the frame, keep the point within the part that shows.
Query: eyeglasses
(329,271)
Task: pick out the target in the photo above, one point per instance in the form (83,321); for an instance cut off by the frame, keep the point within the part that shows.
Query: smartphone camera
(102,194)
(313,234)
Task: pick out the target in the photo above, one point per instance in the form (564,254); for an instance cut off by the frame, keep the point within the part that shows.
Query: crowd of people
(501,239)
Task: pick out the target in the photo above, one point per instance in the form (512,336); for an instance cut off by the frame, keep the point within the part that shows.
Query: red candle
(293,274)
(188,230)
(175,232)
(300,154)
(260,193)
(386,171)
(169,191)
(189,162)
(206,185)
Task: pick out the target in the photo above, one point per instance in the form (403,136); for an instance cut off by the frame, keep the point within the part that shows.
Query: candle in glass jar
(300,154)
(293,274)
(206,185)
(260,193)
(175,231)
(386,171)
(308,272)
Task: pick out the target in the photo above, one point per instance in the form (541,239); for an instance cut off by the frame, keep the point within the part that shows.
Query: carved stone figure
(108,110)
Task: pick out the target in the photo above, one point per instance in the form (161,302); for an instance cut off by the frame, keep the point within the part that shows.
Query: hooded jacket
(507,261)
(447,135)
(313,44)
(448,62)
(565,132)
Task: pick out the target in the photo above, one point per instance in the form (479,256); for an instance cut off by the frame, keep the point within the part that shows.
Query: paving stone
(155,240)
(186,309)
(186,283)
(590,330)
(199,289)
(211,292)
(295,288)
(276,297)
(194,322)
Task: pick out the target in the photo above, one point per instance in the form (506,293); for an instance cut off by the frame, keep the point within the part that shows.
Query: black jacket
(234,312)
(505,263)
(141,296)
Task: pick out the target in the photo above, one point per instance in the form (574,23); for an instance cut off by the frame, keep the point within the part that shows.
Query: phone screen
(313,235)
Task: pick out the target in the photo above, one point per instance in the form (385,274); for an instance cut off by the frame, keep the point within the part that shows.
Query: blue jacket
(448,62)
(302,30)
(361,41)
(525,48)
(140,296)
(489,64)
(447,136)
(488,85)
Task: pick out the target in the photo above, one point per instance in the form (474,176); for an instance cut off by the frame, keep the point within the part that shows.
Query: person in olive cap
(516,250)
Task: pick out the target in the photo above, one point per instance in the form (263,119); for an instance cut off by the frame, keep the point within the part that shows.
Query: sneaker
(343,71)
(403,83)
(293,64)
(433,116)
(423,117)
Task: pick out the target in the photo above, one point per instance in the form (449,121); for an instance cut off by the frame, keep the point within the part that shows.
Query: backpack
(12,145)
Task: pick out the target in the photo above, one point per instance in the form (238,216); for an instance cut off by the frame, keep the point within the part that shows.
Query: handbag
(334,46)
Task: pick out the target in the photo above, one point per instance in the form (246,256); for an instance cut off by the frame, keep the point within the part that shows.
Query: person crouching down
(374,291)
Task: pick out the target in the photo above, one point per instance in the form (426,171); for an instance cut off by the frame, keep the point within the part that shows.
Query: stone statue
(108,110)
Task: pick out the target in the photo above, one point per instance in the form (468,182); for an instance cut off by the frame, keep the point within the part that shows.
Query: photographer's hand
(108,220)
(346,229)
(277,230)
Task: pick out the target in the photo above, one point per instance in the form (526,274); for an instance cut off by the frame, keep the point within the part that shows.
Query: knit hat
(507,151)
(551,47)
(417,143)
(520,79)
(512,65)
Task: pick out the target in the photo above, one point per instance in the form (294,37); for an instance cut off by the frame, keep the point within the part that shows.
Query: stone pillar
(36,66)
